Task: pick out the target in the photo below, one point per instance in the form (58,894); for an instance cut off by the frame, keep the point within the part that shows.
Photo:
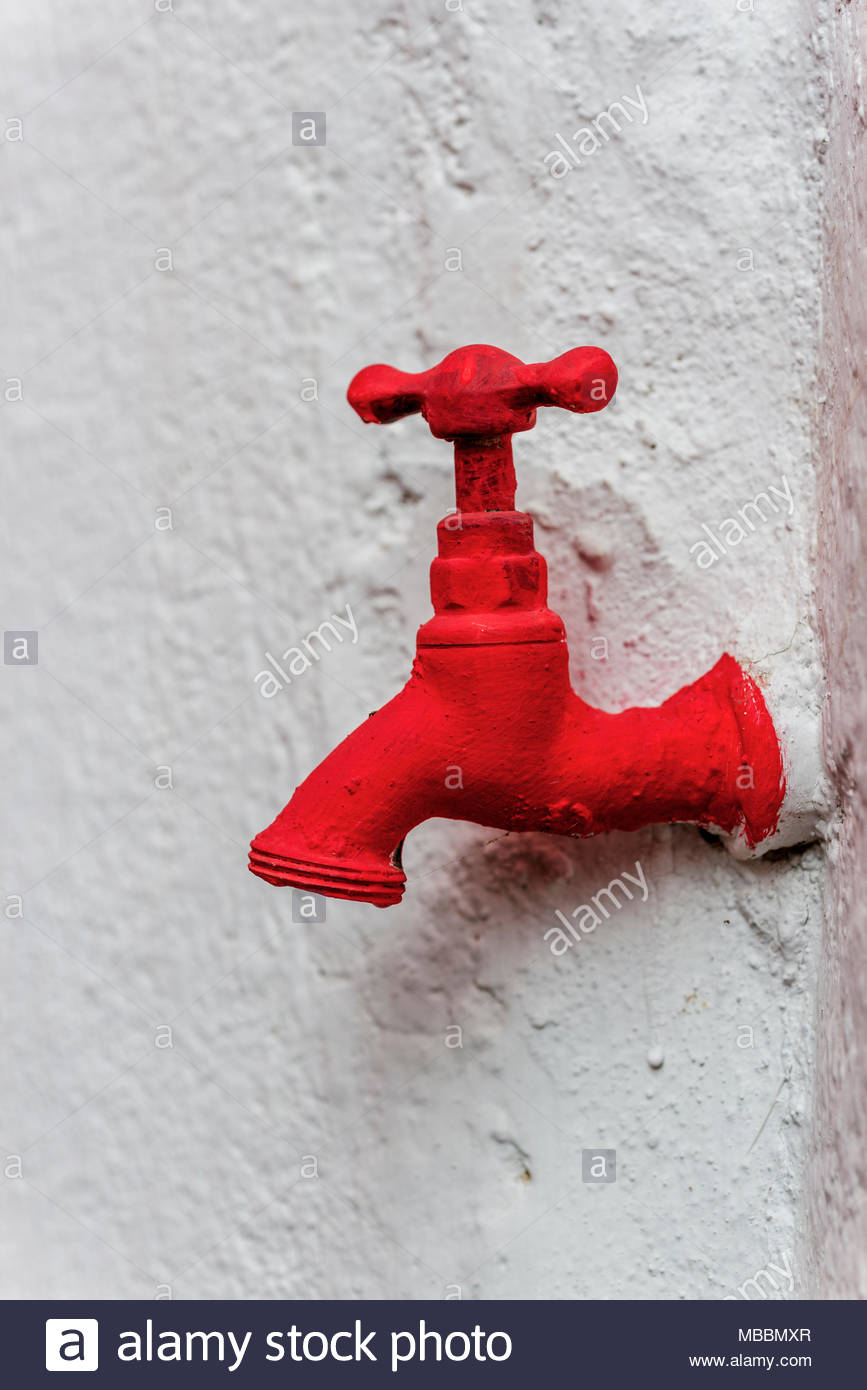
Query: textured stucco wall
(688,246)
(838,1231)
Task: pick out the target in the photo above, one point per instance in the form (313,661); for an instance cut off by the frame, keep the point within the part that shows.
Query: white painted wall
(838,1176)
(144,1167)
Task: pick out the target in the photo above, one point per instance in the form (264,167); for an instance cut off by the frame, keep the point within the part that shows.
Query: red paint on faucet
(488,728)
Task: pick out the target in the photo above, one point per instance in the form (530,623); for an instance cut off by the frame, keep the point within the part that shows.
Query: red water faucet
(488,727)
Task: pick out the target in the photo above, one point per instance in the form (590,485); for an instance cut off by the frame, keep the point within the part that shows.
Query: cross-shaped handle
(478,397)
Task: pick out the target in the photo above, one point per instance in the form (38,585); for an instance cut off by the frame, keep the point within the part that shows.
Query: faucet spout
(494,734)
(342,832)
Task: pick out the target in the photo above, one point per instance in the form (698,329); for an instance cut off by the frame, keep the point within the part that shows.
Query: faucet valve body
(489,696)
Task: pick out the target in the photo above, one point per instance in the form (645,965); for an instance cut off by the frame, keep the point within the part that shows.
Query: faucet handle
(483,392)
(478,397)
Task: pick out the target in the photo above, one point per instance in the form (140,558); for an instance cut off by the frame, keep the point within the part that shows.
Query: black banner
(427,1344)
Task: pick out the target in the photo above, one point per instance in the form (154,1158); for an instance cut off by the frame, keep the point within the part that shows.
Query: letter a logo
(71,1344)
